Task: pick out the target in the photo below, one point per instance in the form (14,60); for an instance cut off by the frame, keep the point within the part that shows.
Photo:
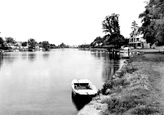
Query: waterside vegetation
(134,88)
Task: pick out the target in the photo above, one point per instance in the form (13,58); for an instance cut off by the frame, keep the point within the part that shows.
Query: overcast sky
(70,21)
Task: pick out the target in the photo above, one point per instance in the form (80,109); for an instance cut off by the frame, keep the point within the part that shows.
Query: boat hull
(82,92)
(80,101)
(83,95)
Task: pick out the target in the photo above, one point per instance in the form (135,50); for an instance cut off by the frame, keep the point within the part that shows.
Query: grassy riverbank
(136,89)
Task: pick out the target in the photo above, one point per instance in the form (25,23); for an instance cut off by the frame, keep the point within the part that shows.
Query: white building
(138,42)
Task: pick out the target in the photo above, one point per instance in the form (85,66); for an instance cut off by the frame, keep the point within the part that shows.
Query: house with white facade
(138,42)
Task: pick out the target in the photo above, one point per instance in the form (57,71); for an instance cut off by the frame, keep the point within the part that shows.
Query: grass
(135,88)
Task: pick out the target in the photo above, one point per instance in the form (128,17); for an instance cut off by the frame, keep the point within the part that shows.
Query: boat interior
(81,86)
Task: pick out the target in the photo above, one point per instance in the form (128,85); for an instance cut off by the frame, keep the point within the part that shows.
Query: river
(39,83)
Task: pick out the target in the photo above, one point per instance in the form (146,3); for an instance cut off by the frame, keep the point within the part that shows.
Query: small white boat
(83,87)
(125,52)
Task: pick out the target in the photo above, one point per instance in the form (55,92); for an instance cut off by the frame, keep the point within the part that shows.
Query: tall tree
(112,29)
(111,24)
(134,28)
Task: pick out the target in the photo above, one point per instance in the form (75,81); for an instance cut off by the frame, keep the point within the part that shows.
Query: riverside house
(138,42)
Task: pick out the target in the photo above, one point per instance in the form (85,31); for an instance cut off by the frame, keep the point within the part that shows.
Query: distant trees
(84,46)
(1,43)
(52,46)
(10,40)
(9,43)
(62,45)
(45,45)
(32,43)
(97,42)
(153,22)
(24,44)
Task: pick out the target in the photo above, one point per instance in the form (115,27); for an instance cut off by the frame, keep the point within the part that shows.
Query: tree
(106,38)
(46,45)
(112,28)
(111,24)
(153,22)
(1,43)
(24,44)
(10,40)
(134,29)
(62,45)
(53,46)
(117,40)
(32,43)
(147,28)
(97,41)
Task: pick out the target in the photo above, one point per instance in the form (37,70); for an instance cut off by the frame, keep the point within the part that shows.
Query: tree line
(31,43)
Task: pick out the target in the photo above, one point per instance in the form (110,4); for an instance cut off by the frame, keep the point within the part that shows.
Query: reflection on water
(110,66)
(110,69)
(46,55)
(24,56)
(31,56)
(9,57)
(1,58)
(100,55)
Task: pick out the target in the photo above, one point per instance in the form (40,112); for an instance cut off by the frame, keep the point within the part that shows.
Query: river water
(39,83)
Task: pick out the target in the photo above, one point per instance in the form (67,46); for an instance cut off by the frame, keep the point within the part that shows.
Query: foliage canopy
(153,22)
(32,43)
(112,29)
(10,40)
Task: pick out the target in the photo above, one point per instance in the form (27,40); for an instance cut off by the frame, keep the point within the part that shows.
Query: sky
(72,22)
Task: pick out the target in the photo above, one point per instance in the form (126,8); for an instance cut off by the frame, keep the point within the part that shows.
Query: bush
(114,85)
(145,110)
(123,103)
